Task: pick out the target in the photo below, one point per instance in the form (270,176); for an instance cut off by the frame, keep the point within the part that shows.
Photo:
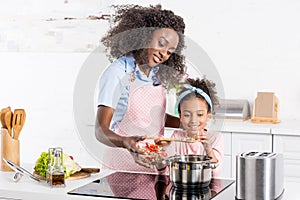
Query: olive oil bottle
(55,174)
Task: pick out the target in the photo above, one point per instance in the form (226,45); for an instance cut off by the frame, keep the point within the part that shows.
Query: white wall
(43,84)
(254,45)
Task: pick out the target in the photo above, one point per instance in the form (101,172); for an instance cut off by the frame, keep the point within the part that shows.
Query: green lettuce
(41,164)
(70,166)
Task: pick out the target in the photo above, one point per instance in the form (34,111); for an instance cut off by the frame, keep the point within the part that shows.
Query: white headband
(197,90)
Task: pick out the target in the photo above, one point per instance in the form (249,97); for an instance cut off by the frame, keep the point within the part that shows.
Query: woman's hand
(147,154)
(130,143)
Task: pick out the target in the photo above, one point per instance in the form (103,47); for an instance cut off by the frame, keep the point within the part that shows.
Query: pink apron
(145,115)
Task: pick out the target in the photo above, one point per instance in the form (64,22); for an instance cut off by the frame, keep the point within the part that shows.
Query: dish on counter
(72,169)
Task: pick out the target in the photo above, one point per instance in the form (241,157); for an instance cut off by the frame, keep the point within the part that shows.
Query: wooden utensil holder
(10,149)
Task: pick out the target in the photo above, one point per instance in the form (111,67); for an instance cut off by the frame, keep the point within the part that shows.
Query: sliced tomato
(152,147)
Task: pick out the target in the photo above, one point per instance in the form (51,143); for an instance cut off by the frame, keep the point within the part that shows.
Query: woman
(147,44)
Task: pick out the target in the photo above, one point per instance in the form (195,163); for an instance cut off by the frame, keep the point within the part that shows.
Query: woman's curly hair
(209,87)
(132,30)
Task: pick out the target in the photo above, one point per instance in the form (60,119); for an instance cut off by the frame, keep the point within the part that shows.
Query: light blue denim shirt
(114,85)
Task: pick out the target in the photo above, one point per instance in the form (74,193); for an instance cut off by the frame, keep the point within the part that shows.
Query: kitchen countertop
(285,127)
(246,127)
(28,189)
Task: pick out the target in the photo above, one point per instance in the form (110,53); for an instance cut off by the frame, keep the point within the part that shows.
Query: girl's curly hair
(204,84)
(132,30)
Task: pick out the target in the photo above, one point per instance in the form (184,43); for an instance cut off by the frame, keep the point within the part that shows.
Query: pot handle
(162,164)
(213,165)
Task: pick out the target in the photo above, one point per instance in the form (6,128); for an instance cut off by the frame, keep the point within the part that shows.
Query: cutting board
(83,173)
(265,108)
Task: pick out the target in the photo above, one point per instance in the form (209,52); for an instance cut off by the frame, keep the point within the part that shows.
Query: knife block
(10,150)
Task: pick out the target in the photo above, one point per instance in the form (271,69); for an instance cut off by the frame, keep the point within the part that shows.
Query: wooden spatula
(18,121)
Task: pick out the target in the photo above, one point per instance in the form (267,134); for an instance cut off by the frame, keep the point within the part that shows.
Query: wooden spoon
(2,119)
(7,120)
(188,139)
(18,122)
(2,116)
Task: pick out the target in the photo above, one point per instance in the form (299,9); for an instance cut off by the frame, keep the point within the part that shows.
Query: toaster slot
(249,154)
(254,154)
(266,155)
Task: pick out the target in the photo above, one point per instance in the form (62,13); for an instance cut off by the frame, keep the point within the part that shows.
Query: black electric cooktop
(124,185)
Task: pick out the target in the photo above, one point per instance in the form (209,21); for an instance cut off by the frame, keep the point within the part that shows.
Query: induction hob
(125,185)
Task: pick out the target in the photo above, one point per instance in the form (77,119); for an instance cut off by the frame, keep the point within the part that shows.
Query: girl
(195,104)
(147,43)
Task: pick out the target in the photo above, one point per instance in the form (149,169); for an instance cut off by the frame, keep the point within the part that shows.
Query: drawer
(288,146)
(291,170)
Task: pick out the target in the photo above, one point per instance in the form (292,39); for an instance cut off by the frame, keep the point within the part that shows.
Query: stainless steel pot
(188,171)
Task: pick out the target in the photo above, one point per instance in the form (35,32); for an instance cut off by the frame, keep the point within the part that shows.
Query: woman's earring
(132,77)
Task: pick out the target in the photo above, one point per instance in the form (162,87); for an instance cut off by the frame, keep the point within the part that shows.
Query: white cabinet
(289,146)
(281,138)
(226,172)
(242,142)
(236,143)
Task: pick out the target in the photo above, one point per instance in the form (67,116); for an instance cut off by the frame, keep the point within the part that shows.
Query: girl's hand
(202,137)
(162,143)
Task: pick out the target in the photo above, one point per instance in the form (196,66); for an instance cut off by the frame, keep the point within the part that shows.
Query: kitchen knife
(90,170)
